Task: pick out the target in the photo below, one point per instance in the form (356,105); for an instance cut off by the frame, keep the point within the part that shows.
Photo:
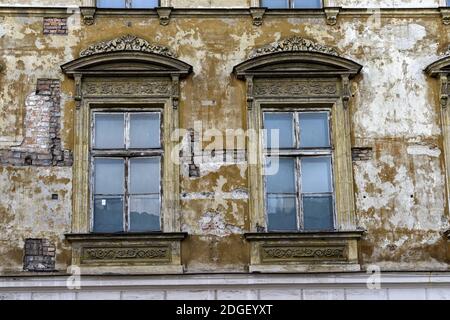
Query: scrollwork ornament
(293,44)
(127,43)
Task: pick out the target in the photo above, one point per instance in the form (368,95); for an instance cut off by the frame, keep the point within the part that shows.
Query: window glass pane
(109,176)
(314,130)
(145,213)
(109,131)
(108,214)
(318,213)
(144,3)
(111,3)
(307,4)
(283,179)
(275,3)
(316,175)
(282,213)
(145,175)
(281,123)
(145,130)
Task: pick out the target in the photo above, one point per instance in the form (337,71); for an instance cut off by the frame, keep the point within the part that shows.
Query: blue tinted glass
(281,126)
(144,4)
(314,130)
(145,175)
(283,179)
(282,212)
(318,213)
(109,131)
(275,3)
(316,175)
(145,130)
(109,176)
(108,214)
(111,3)
(307,4)
(145,213)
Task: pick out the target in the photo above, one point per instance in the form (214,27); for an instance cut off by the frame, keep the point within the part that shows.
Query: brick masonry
(55,26)
(362,154)
(42,141)
(39,255)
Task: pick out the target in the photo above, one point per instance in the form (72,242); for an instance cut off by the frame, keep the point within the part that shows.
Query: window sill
(149,253)
(304,252)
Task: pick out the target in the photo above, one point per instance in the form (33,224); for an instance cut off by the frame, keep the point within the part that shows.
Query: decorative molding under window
(304,252)
(127,253)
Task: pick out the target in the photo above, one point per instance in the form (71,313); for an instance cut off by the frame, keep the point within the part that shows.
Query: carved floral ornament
(293,44)
(127,43)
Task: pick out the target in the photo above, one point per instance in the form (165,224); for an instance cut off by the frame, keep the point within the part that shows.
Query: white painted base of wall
(344,286)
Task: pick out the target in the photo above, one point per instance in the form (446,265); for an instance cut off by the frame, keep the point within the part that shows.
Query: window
(298,180)
(129,4)
(302,209)
(299,4)
(126,165)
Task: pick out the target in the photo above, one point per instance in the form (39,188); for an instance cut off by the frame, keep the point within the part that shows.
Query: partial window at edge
(127,4)
(292,4)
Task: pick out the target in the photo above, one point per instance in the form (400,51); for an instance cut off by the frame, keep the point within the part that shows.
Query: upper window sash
(128,4)
(126,131)
(296,131)
(291,4)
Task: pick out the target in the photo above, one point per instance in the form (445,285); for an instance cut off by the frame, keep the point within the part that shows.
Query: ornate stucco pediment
(293,44)
(127,43)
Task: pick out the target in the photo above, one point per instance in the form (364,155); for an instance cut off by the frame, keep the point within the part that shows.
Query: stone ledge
(159,236)
(304,235)
(139,253)
(304,252)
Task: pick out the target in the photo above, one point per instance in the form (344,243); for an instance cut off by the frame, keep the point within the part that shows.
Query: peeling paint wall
(400,190)
(242,3)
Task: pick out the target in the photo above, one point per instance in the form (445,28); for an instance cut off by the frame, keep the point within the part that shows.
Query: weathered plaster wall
(40,3)
(400,193)
(387,3)
(244,3)
(28,211)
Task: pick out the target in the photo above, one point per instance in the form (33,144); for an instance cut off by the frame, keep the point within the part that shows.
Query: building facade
(224,149)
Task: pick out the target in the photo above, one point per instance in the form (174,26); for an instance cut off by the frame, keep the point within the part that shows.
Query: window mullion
(126,195)
(299,194)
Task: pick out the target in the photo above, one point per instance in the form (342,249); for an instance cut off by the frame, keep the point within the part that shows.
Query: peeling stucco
(400,195)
